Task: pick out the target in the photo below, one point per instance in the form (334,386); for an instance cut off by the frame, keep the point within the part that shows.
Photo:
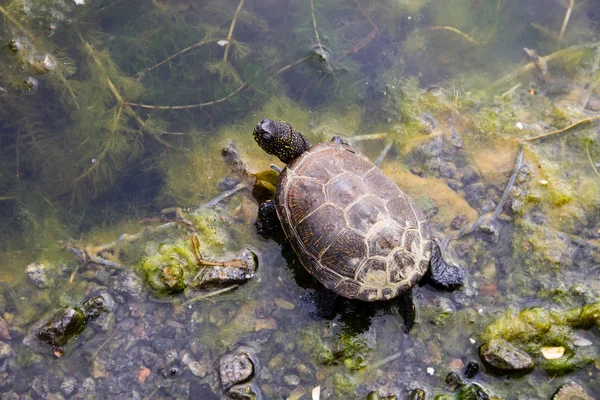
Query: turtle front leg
(267,221)
(444,273)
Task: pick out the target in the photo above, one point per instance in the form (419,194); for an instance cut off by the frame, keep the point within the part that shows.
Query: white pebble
(472,340)
(520,125)
(222,42)
(430,371)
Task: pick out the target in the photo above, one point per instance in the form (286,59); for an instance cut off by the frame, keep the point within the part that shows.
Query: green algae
(534,328)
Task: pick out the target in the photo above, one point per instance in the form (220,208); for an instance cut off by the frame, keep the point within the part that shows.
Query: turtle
(351,227)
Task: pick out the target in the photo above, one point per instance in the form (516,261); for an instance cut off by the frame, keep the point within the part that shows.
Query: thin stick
(587,148)
(287,67)
(576,124)
(566,20)
(210,294)
(199,105)
(367,39)
(179,53)
(231,28)
(384,152)
(545,30)
(7,198)
(468,229)
(459,33)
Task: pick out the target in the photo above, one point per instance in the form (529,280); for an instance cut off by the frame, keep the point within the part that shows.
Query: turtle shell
(351,226)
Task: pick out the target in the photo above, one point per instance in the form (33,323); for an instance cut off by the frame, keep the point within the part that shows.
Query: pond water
(114,183)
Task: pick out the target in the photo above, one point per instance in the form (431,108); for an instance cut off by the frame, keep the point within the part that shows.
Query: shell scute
(365,213)
(304,196)
(321,228)
(345,254)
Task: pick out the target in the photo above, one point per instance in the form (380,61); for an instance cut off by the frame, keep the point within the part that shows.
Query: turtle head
(280,139)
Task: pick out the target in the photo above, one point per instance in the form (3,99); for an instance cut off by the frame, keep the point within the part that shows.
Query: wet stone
(5,350)
(455,184)
(68,386)
(433,148)
(9,396)
(417,394)
(236,367)
(453,380)
(100,310)
(58,329)
(471,370)
(241,392)
(571,391)
(504,357)
(129,283)
(40,275)
(447,170)
(474,193)
(291,380)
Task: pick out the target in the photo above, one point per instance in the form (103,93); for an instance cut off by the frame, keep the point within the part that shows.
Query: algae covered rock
(58,329)
(534,330)
(40,275)
(504,357)
(571,391)
(237,367)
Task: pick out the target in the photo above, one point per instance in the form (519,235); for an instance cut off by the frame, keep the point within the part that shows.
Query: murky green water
(113,111)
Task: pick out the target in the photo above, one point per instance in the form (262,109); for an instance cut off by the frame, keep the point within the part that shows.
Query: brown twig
(7,198)
(576,124)
(566,20)
(231,28)
(367,39)
(545,30)
(199,105)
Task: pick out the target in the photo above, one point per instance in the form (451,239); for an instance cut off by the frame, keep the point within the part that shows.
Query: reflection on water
(113,118)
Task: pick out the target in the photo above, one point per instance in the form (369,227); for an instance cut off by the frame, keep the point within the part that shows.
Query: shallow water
(112,111)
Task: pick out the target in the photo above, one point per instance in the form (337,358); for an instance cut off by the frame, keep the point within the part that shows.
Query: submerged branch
(576,124)
(231,28)
(209,294)
(199,105)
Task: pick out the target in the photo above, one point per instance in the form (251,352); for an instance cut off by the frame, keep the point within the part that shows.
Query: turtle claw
(444,274)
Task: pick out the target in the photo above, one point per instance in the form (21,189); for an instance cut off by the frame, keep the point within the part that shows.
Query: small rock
(291,380)
(284,304)
(456,138)
(40,275)
(268,323)
(553,353)
(4,333)
(129,283)
(241,392)
(89,385)
(143,374)
(198,369)
(471,370)
(5,350)
(503,356)
(236,367)
(571,391)
(100,310)
(433,148)
(453,380)
(459,222)
(227,275)
(68,386)
(297,393)
(58,329)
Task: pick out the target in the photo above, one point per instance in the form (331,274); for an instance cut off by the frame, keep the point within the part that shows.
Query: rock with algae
(571,391)
(536,328)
